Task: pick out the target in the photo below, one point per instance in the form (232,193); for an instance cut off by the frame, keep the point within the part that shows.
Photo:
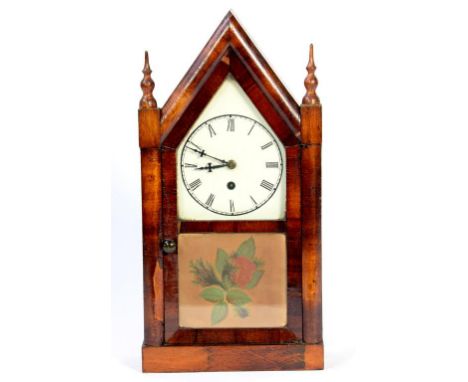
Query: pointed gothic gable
(230,50)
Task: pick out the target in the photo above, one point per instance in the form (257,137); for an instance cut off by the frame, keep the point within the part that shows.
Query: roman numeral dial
(231,165)
(195,184)
(267,185)
(231,125)
(211,130)
(210,200)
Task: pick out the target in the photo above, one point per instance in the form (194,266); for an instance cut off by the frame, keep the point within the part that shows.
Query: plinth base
(232,358)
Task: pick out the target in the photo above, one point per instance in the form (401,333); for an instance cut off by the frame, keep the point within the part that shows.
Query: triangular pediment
(230,50)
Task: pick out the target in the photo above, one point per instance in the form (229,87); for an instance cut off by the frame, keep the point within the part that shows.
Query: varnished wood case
(298,345)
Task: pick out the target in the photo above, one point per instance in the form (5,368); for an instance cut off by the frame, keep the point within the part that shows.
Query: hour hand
(210,167)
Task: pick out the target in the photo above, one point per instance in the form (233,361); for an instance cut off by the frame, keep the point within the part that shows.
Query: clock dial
(231,165)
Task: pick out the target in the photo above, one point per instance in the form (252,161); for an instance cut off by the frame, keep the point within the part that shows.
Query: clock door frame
(230,62)
(230,50)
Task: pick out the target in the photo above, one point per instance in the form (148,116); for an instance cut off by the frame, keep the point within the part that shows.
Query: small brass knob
(169,246)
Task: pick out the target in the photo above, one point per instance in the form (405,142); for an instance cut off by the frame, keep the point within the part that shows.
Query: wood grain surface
(232,358)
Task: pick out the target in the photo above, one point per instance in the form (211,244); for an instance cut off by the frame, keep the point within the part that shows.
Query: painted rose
(244,270)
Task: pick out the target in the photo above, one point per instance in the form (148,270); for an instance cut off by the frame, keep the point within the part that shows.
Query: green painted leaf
(255,279)
(241,311)
(247,248)
(222,259)
(204,273)
(219,312)
(237,297)
(212,294)
(258,262)
(227,282)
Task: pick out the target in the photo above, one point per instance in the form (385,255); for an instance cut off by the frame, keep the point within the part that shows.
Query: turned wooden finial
(311,82)
(147,85)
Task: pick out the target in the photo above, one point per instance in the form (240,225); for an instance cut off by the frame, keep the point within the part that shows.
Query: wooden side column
(150,137)
(311,132)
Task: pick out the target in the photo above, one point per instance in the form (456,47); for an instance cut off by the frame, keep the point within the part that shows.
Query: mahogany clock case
(168,346)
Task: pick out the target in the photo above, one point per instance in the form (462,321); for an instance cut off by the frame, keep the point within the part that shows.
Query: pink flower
(245,269)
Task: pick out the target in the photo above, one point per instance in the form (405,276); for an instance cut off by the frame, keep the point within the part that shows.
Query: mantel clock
(231,169)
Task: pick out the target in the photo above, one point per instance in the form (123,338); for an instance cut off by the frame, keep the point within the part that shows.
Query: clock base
(232,358)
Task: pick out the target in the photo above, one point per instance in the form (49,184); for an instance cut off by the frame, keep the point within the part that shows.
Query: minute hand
(202,153)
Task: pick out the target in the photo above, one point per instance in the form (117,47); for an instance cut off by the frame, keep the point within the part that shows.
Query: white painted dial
(231,165)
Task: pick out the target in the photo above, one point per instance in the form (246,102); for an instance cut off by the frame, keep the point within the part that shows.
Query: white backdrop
(393,80)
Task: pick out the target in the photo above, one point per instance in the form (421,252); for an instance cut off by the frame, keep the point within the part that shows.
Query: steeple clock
(231,188)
